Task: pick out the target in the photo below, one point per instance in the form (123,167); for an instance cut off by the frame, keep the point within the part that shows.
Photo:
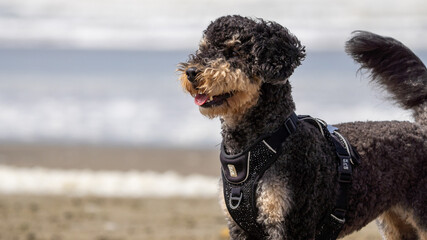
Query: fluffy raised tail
(395,67)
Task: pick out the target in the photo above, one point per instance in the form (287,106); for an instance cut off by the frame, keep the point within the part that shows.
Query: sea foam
(43,181)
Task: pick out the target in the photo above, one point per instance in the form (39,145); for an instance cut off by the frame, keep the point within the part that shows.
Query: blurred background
(91,107)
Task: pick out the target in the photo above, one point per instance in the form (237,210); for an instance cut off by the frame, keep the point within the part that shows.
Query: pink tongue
(201,99)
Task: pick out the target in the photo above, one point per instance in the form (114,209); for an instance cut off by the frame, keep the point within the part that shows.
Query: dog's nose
(191,74)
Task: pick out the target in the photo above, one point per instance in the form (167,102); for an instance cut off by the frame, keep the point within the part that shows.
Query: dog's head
(235,57)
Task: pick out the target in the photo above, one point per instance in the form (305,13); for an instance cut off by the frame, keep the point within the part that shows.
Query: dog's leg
(236,233)
(422,234)
(273,202)
(419,224)
(419,203)
(416,220)
(397,224)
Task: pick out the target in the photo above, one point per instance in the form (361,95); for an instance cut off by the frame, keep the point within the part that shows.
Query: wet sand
(89,218)
(118,158)
(33,217)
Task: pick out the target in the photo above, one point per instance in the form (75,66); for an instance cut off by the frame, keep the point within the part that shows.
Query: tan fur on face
(219,78)
(398,223)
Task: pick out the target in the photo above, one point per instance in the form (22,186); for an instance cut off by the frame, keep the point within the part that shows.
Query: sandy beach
(88,218)
(84,217)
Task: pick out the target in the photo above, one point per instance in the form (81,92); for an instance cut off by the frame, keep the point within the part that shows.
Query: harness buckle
(236,196)
(290,125)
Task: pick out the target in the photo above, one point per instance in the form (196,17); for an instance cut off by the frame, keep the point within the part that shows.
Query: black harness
(241,173)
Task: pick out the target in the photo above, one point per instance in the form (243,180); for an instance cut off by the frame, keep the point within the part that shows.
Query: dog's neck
(275,104)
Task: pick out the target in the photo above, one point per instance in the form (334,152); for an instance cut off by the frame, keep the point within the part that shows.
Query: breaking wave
(43,181)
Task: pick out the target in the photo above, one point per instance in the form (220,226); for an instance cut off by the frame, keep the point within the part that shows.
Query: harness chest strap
(241,173)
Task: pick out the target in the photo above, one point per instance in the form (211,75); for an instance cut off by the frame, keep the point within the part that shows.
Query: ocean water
(134,97)
(171,24)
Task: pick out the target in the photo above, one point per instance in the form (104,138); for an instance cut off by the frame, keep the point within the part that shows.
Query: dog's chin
(205,101)
(229,105)
(215,106)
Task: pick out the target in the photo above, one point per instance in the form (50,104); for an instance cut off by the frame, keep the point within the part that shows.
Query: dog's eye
(230,52)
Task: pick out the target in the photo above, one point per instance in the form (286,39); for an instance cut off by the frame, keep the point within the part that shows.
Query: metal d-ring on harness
(241,173)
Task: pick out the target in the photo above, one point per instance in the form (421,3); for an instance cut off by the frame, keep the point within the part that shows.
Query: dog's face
(235,57)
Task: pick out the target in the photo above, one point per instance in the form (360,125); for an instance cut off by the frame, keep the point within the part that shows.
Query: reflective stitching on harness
(269,147)
(336,218)
(320,123)
(346,145)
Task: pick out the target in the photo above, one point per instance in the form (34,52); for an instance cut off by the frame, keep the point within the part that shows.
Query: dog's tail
(394,67)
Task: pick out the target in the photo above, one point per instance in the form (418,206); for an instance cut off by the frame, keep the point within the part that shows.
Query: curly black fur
(394,154)
(266,49)
(257,122)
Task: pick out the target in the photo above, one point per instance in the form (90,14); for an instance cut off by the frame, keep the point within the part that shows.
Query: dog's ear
(276,51)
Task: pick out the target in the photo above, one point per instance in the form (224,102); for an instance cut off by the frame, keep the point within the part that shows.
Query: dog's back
(394,154)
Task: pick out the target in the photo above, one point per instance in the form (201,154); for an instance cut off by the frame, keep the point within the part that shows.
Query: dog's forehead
(227,28)
(228,40)
(219,38)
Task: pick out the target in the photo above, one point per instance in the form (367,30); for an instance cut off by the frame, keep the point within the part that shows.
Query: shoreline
(118,158)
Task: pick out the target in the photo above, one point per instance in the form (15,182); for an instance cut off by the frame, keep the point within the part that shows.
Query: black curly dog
(240,73)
